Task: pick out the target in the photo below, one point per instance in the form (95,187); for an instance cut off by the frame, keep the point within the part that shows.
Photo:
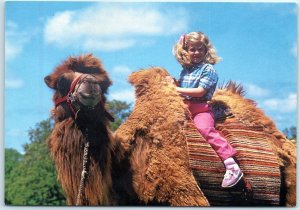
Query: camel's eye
(63,85)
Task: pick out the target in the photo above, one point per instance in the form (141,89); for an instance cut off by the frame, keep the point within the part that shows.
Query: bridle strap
(67,97)
(60,100)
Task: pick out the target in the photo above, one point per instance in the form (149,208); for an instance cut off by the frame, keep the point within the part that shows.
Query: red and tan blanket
(255,156)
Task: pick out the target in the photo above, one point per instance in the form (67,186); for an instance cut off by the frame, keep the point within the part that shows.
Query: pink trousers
(204,121)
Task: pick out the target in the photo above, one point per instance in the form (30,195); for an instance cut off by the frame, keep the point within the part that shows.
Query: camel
(81,144)
(96,167)
(163,145)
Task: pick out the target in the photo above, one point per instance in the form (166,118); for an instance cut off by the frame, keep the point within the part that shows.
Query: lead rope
(84,172)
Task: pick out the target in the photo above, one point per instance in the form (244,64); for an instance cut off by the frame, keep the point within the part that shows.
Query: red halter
(69,98)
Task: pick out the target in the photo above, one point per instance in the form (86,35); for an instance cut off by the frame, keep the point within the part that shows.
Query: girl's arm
(193,92)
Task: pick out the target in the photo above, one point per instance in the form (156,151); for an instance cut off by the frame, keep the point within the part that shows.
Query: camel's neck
(67,146)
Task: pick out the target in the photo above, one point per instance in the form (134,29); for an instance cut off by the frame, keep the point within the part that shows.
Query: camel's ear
(49,82)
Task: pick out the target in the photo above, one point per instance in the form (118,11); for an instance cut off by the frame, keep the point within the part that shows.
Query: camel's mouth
(88,91)
(89,99)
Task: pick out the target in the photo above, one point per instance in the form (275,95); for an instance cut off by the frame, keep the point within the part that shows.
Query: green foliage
(31,179)
(120,110)
(12,159)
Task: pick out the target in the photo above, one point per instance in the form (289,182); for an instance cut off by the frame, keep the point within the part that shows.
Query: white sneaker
(232,177)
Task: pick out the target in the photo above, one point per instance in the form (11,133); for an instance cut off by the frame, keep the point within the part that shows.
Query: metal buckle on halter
(73,103)
(71,98)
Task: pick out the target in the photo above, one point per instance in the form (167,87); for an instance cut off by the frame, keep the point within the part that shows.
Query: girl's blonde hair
(180,49)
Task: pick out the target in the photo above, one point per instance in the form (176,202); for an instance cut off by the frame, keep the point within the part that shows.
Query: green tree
(12,159)
(120,110)
(33,181)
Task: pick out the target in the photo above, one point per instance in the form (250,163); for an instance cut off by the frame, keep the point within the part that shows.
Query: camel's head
(144,79)
(80,84)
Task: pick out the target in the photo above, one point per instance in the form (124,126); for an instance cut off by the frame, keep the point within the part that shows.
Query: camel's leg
(158,178)
(178,189)
(175,193)
(187,194)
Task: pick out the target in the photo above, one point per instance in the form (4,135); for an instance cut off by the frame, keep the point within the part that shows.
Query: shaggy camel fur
(153,136)
(245,110)
(70,133)
(159,158)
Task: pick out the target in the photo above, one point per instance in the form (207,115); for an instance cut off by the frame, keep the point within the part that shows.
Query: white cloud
(110,27)
(15,39)
(123,95)
(255,91)
(109,45)
(288,104)
(14,83)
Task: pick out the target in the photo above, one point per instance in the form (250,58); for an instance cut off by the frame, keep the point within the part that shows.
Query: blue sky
(257,41)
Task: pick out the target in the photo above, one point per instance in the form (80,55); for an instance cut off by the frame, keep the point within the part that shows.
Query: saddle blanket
(256,159)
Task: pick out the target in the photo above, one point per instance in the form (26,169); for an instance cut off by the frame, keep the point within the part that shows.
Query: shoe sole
(235,182)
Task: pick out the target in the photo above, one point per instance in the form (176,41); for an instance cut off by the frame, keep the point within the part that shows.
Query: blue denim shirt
(203,75)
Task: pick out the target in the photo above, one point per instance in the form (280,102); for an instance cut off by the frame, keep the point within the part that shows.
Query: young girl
(197,83)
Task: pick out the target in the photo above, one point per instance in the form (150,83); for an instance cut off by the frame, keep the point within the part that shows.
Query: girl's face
(196,51)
